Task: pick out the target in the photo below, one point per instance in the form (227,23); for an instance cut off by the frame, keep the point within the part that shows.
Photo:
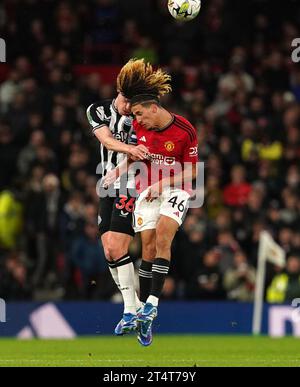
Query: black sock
(160,270)
(110,264)
(145,277)
(120,261)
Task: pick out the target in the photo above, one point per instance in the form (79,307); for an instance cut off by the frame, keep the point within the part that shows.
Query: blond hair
(138,77)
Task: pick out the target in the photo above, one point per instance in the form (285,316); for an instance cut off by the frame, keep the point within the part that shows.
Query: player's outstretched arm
(178,180)
(114,174)
(106,138)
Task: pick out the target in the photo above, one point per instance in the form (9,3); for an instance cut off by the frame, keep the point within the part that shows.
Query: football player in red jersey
(163,201)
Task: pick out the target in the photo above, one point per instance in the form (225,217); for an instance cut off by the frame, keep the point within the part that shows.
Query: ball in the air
(184,10)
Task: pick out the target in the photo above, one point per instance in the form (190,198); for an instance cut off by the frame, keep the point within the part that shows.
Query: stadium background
(233,78)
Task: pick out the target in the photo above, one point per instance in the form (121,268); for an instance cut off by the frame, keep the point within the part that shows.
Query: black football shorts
(115,214)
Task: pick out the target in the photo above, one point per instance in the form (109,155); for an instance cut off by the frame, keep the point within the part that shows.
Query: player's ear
(154,108)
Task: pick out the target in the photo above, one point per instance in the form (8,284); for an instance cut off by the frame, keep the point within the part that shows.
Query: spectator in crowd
(237,78)
(236,193)
(285,287)
(8,90)
(11,220)
(207,281)
(42,218)
(239,280)
(88,258)
(170,290)
(14,283)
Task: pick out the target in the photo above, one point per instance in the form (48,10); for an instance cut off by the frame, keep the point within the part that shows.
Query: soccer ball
(184,9)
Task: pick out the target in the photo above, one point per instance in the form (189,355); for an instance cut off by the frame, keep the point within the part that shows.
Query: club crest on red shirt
(169,145)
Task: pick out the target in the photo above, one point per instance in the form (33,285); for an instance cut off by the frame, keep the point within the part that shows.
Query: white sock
(114,274)
(153,300)
(127,288)
(138,302)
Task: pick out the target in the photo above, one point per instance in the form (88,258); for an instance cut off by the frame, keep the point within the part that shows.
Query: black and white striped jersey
(102,114)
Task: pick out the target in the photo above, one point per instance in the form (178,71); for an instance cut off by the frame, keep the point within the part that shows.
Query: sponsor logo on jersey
(143,138)
(156,158)
(176,213)
(121,136)
(161,159)
(169,145)
(193,151)
(140,221)
(124,213)
(169,160)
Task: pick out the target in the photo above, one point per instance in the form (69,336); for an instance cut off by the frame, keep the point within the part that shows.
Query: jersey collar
(113,104)
(166,126)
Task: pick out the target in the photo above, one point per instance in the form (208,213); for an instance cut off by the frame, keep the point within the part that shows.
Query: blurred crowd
(232,77)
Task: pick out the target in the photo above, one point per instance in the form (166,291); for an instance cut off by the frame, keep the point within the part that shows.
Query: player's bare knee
(149,248)
(149,252)
(163,242)
(107,253)
(107,256)
(115,251)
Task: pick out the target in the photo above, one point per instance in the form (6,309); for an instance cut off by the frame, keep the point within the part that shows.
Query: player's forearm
(123,167)
(106,138)
(112,175)
(116,146)
(187,175)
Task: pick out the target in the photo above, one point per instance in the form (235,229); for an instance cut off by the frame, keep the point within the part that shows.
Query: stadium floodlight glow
(268,250)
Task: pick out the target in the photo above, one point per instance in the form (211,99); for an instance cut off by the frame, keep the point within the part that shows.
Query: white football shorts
(173,203)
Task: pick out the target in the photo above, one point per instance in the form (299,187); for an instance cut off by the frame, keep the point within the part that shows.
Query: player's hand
(139,152)
(134,158)
(109,178)
(153,193)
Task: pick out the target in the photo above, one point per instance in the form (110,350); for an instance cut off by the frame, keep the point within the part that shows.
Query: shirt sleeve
(96,117)
(132,138)
(190,153)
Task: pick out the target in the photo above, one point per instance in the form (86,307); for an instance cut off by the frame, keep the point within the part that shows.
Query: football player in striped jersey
(163,201)
(111,123)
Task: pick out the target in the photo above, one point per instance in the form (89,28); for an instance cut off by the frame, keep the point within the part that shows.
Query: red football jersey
(176,143)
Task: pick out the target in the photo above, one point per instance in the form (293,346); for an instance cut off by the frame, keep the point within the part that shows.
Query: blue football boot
(126,325)
(144,324)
